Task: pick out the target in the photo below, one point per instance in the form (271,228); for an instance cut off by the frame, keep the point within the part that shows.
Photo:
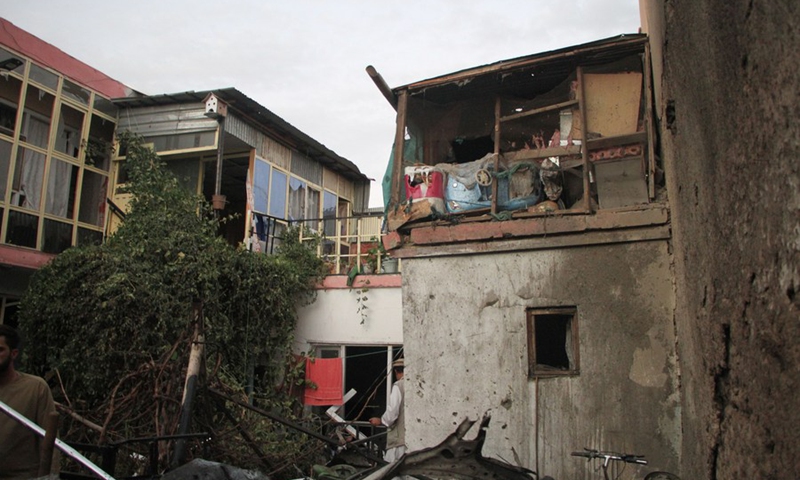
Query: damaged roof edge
(528,60)
(255,112)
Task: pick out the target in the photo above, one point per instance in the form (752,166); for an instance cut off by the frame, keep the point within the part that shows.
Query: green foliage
(115,321)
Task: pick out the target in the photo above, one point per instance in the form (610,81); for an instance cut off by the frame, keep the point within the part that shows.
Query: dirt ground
(732,152)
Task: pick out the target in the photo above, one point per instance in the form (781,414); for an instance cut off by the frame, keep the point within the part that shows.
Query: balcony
(346,242)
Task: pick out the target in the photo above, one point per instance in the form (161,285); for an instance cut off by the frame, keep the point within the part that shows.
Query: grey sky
(305,60)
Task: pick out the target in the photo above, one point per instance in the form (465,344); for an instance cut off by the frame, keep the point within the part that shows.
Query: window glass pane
(42,76)
(26,188)
(105,105)
(297,199)
(93,198)
(5,163)
(57,236)
(61,185)
(70,130)
(36,117)
(22,229)
(260,186)
(76,92)
(101,143)
(10,62)
(329,213)
(277,195)
(312,210)
(9,101)
(89,237)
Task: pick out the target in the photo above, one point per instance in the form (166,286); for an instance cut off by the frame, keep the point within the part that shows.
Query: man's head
(9,347)
(398,366)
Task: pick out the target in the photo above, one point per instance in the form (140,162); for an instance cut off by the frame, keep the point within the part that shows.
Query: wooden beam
(648,121)
(544,242)
(616,140)
(587,197)
(497,120)
(538,153)
(399,143)
(548,225)
(549,108)
(382,86)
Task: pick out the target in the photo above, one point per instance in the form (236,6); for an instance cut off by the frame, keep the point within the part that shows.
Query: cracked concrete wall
(466,353)
(731,147)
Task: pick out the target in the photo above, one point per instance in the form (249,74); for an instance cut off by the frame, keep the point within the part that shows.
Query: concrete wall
(731,146)
(466,353)
(334,318)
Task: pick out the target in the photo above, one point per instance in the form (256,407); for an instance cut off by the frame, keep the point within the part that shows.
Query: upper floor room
(60,170)
(255,167)
(57,125)
(553,143)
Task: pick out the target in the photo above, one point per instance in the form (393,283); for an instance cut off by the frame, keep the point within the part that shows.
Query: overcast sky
(305,60)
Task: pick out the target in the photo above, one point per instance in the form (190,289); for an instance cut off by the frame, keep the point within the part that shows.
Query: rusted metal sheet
(166,120)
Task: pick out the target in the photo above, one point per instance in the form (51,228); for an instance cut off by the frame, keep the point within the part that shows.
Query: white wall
(334,318)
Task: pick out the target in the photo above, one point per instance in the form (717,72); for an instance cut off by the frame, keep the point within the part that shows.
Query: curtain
(58,187)
(32,164)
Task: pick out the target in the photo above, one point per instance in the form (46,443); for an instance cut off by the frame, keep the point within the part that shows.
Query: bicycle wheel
(661,476)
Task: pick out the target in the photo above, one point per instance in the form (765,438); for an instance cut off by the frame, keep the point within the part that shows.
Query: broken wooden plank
(549,225)
(539,153)
(548,242)
(616,140)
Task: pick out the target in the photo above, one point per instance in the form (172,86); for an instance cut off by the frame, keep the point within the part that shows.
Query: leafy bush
(112,325)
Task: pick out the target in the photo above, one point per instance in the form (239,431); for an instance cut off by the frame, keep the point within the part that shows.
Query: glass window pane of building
(93,198)
(36,117)
(61,185)
(297,199)
(28,179)
(9,102)
(277,196)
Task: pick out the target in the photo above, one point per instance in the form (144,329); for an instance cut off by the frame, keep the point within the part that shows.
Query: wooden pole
(587,189)
(382,86)
(399,144)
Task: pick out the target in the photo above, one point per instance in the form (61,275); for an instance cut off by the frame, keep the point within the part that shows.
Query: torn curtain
(324,376)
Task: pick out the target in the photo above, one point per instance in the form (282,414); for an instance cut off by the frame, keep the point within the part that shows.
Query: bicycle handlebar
(606,456)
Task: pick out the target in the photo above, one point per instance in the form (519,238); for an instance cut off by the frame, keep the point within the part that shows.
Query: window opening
(552,342)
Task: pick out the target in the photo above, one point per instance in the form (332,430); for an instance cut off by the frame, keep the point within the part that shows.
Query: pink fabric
(326,375)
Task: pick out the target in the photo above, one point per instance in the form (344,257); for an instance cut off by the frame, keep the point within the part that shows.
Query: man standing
(29,395)
(394,417)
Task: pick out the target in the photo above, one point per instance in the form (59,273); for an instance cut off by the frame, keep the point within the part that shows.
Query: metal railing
(67,449)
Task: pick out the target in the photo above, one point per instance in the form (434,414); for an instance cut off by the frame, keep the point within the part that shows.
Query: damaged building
(529,208)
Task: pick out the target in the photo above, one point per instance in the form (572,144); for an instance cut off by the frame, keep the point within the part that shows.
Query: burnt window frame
(540,370)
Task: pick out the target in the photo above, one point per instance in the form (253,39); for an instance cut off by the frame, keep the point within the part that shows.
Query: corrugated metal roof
(252,111)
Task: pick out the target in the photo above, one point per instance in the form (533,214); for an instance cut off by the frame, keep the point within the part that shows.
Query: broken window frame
(643,138)
(538,369)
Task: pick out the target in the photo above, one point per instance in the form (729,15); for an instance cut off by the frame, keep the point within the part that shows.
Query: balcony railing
(347,242)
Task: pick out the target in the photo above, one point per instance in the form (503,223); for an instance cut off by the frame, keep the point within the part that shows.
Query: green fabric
(411,154)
